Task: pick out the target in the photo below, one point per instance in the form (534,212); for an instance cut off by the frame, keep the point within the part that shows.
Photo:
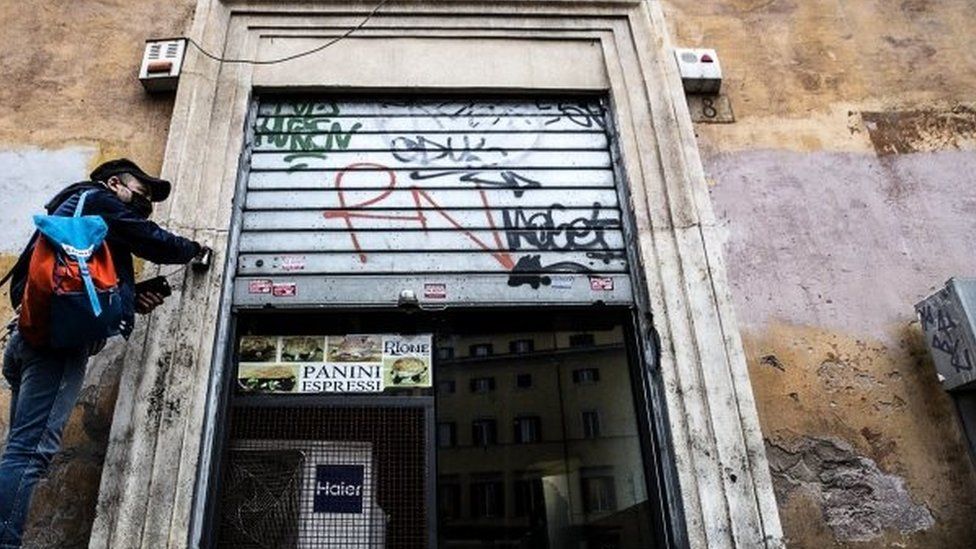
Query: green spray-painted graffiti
(306,129)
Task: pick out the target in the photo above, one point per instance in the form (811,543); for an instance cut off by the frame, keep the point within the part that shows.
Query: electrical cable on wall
(293,56)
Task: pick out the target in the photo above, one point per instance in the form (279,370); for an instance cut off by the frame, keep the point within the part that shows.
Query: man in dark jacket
(44,383)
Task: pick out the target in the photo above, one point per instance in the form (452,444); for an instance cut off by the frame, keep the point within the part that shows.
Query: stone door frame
(158,458)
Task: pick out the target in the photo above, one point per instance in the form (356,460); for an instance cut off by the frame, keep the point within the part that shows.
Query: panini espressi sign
(352,363)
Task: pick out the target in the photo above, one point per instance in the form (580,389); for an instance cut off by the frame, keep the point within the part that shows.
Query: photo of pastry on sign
(353,363)
(302,349)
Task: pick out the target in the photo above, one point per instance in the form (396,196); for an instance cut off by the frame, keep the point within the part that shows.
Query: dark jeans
(44,387)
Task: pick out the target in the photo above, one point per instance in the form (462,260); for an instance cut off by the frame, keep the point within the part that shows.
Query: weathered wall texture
(846,186)
(71,98)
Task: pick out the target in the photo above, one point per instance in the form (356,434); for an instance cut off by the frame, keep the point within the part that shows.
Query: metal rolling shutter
(462,202)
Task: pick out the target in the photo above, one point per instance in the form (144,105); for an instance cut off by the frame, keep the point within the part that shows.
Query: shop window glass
(564,483)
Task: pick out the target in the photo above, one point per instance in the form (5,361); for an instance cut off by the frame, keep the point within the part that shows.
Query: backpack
(71,295)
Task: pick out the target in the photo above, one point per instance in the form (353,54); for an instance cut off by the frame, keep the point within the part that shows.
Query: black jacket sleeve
(143,237)
(18,274)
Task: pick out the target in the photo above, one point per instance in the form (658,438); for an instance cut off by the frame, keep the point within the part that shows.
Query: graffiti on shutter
(494,201)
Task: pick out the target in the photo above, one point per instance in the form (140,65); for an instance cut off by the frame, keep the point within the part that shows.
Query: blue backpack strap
(83,265)
(81,203)
(89,286)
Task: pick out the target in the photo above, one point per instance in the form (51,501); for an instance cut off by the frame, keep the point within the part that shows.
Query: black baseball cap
(158,188)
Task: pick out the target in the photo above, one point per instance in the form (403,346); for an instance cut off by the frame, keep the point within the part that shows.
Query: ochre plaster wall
(71,99)
(846,187)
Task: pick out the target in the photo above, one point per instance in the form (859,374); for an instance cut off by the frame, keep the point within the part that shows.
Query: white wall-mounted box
(700,70)
(162,62)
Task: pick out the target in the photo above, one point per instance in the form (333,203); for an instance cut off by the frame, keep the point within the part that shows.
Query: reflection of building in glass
(539,446)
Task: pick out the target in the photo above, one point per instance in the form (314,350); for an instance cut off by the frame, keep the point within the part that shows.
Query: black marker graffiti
(530,271)
(518,236)
(945,339)
(960,356)
(527,272)
(540,231)
(585,115)
(425,150)
(608,256)
(484,114)
(505,179)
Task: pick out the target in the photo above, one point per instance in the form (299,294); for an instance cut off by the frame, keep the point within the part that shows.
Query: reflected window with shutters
(482,349)
(484,432)
(445,353)
(529,498)
(521,346)
(487,496)
(528,430)
(591,424)
(599,491)
(482,385)
(586,375)
(448,497)
(446,434)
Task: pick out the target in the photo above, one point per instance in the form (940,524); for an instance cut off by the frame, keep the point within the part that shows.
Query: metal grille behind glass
(325,477)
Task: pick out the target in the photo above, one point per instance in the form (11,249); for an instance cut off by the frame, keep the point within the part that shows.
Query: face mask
(141,205)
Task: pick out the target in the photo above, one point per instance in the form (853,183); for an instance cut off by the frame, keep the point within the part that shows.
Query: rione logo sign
(338,489)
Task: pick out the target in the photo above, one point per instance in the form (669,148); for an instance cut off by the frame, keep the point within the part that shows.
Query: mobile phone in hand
(157,285)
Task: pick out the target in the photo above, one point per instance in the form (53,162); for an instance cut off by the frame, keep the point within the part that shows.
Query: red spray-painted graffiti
(421,198)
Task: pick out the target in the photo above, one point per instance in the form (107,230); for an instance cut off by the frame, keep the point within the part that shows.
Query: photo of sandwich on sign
(406,361)
(259,349)
(267,378)
(302,349)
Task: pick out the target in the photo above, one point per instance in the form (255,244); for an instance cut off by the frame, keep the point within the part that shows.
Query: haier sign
(339,489)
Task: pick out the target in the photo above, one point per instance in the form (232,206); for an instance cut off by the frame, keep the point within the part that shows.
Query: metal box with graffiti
(948,317)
